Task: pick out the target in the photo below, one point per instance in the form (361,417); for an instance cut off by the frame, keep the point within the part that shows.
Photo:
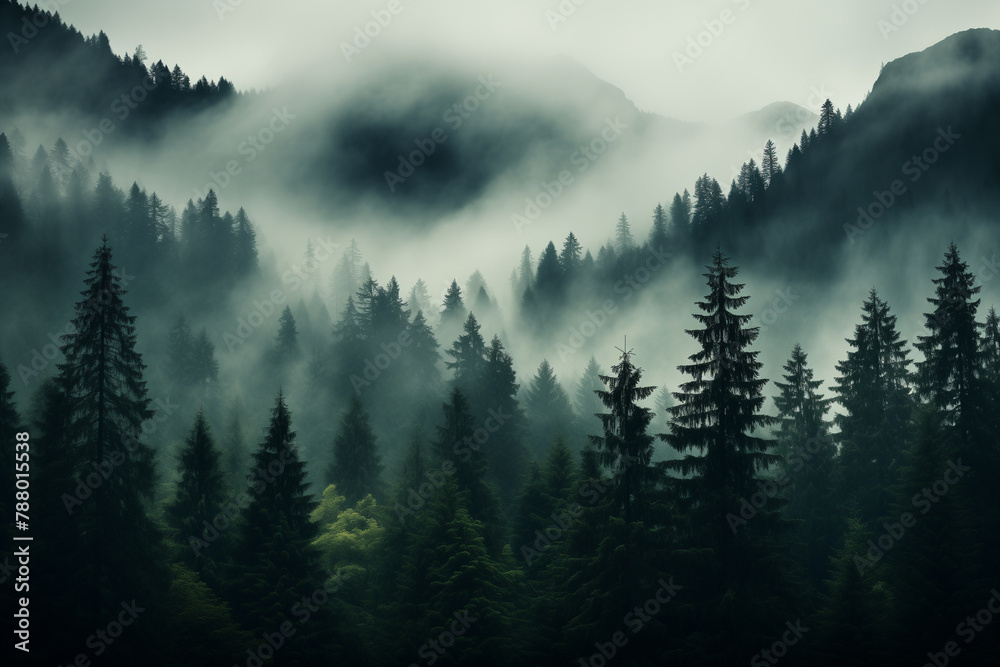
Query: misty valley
(432,357)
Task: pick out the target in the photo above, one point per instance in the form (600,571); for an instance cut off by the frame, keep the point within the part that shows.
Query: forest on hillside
(220,452)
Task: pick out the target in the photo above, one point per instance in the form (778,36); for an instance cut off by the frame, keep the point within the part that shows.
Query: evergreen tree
(287,343)
(624,243)
(991,359)
(468,360)
(422,355)
(950,374)
(201,492)
(458,442)
(245,246)
(625,448)
(275,561)
(356,468)
(453,309)
(658,234)
(569,257)
(548,410)
(204,367)
(808,451)
(505,448)
(718,410)
(526,272)
(420,299)
(873,389)
(550,285)
(102,383)
(828,118)
(770,166)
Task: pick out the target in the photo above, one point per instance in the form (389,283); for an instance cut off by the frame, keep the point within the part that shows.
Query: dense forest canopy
(259,441)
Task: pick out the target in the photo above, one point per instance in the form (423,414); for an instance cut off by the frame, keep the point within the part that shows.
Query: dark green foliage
(356,468)
(950,373)
(274,561)
(201,492)
(626,449)
(459,441)
(287,343)
(874,391)
(94,413)
(453,311)
(807,470)
(548,410)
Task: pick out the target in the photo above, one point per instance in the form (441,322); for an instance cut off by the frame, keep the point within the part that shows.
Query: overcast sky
(768,50)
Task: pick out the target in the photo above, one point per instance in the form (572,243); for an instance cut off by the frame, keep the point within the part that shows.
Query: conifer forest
(500,333)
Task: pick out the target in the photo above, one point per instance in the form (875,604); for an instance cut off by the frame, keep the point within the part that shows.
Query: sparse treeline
(501,538)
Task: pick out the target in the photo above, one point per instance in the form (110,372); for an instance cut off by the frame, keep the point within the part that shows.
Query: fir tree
(275,562)
(468,359)
(808,451)
(950,373)
(102,382)
(453,309)
(873,389)
(550,283)
(624,242)
(201,491)
(287,342)
(505,448)
(569,257)
(356,468)
(770,166)
(625,448)
(548,410)
(658,234)
(457,442)
(713,428)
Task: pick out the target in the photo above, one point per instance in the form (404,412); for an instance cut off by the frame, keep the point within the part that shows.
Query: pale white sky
(765,51)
